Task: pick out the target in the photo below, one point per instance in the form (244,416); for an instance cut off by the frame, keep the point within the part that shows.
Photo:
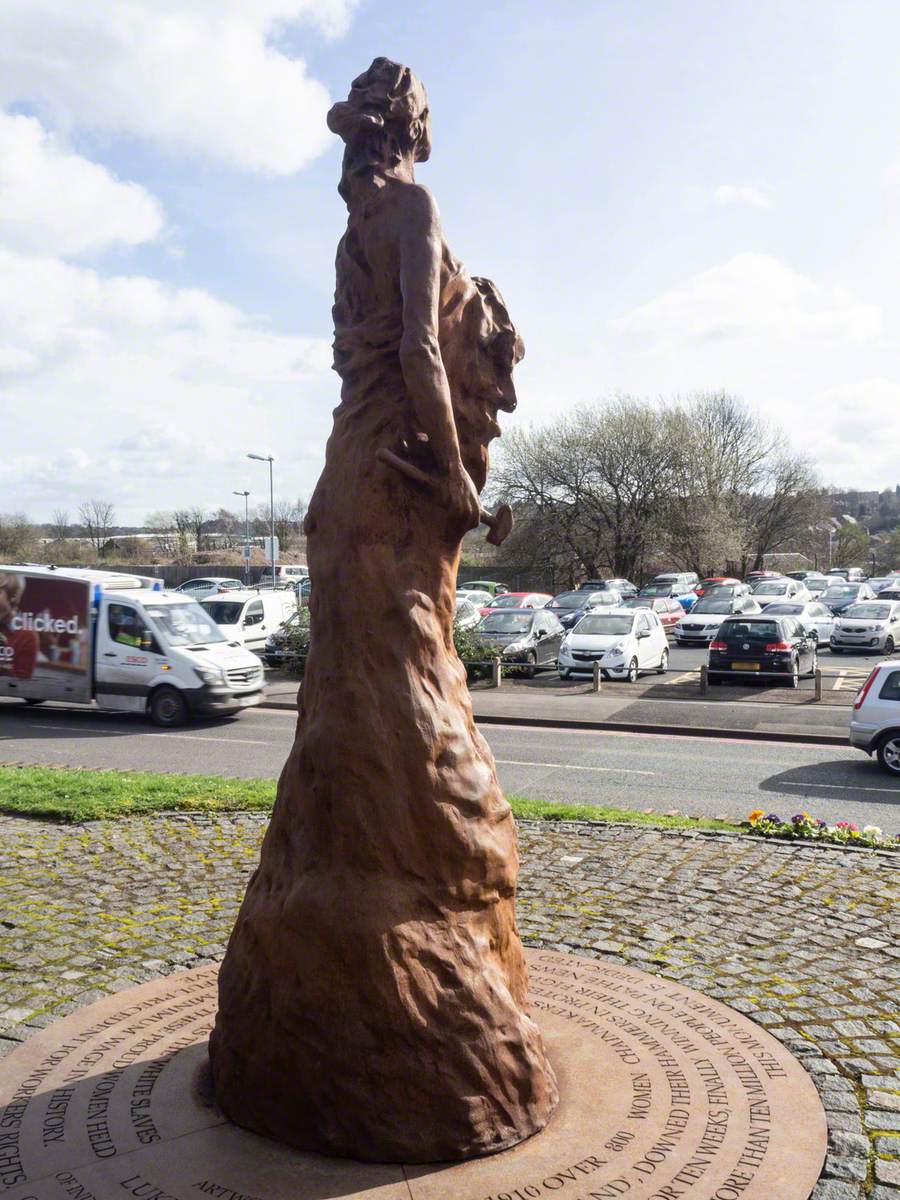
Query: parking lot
(842,676)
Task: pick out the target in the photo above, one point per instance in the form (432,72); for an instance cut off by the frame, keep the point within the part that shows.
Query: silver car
(811,614)
(701,624)
(467,615)
(869,625)
(769,591)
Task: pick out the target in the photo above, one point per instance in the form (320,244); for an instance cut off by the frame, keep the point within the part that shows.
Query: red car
(666,608)
(715,581)
(516,600)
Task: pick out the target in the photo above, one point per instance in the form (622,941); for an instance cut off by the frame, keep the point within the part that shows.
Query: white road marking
(511,762)
(685,675)
(190,737)
(843,787)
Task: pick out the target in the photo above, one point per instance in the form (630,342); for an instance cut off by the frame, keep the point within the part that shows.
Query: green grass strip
(66,794)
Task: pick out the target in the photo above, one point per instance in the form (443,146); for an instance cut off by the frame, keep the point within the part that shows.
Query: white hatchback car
(870,625)
(625,641)
(875,721)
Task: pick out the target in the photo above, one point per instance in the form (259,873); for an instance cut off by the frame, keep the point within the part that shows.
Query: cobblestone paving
(802,940)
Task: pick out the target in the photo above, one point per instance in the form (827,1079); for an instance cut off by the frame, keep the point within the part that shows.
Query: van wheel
(167,708)
(889,753)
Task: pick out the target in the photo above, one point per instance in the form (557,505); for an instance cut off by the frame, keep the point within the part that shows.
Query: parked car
(287,575)
(767,591)
(754,577)
(891,593)
(870,625)
(467,614)
(762,645)
(275,647)
(803,576)
(875,720)
(686,581)
(570,607)
(838,596)
(249,617)
(624,587)
(701,625)
(668,609)
(209,585)
(531,637)
(625,642)
(674,591)
(484,585)
(479,598)
(816,584)
(715,581)
(880,583)
(851,574)
(728,589)
(811,614)
(516,600)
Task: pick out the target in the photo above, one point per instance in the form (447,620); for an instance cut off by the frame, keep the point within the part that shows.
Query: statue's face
(423,148)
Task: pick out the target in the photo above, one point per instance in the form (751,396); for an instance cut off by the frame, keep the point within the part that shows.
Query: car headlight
(212,675)
(619,648)
(515,647)
(564,644)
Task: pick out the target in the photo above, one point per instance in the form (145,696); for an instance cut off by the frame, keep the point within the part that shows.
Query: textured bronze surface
(372,1002)
(664,1094)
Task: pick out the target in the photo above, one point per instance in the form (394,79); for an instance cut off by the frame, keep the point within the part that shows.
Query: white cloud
(204,76)
(759,195)
(145,393)
(54,201)
(855,435)
(752,296)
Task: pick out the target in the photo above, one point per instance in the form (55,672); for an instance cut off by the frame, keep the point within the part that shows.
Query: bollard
(596,682)
(495,672)
(818,683)
(704,680)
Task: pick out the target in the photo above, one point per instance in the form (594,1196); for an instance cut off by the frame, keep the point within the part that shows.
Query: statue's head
(385,118)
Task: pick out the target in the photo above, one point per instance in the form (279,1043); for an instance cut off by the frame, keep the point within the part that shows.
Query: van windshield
(185,624)
(225,612)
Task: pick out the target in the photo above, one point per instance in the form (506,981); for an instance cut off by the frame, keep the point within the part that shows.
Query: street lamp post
(274,555)
(246,496)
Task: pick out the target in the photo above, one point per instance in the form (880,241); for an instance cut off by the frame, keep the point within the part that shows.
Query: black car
(570,607)
(523,635)
(759,645)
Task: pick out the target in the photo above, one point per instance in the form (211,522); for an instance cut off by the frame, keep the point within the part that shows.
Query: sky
(672,195)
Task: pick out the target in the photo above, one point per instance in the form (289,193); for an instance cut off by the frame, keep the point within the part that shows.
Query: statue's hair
(375,121)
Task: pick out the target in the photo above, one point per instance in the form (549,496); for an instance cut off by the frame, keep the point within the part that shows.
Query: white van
(119,642)
(249,617)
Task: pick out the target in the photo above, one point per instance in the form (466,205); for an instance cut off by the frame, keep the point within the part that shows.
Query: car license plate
(744,666)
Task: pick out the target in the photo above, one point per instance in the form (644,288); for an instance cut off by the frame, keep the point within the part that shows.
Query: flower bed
(803,827)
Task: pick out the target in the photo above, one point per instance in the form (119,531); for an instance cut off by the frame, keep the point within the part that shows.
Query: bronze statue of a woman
(372,1002)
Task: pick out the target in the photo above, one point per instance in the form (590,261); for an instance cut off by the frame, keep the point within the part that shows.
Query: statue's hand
(461,495)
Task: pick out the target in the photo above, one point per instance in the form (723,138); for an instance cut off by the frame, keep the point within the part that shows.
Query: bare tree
(592,488)
(190,524)
(59,525)
(97,517)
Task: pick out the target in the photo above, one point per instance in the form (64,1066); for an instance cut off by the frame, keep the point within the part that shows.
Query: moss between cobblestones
(66,794)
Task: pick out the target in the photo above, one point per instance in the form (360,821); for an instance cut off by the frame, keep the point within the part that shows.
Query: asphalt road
(712,777)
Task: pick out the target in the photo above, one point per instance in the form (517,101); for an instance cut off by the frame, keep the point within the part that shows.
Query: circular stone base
(665,1094)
